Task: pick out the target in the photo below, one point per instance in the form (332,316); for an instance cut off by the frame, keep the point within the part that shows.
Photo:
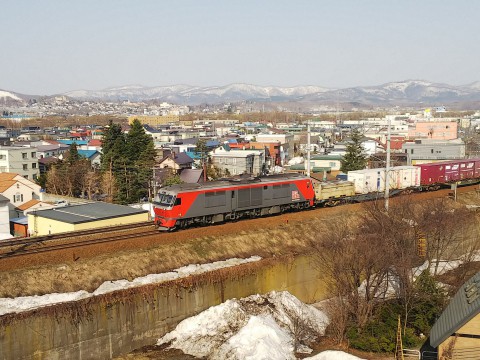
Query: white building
(19,160)
(238,162)
(18,190)
(4,218)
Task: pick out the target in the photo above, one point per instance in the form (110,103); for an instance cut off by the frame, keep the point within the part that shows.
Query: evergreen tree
(128,160)
(355,157)
(72,155)
(202,150)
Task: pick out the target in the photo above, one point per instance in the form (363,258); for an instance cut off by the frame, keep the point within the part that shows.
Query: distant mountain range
(410,92)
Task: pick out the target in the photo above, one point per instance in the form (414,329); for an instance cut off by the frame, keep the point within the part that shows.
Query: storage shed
(83,217)
(456,333)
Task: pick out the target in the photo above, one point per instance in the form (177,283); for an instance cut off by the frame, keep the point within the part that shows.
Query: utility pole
(308,148)
(387,168)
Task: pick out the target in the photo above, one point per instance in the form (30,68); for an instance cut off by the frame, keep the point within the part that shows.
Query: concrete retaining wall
(117,323)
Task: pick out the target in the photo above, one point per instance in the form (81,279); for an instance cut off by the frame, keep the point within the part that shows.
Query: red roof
(95,142)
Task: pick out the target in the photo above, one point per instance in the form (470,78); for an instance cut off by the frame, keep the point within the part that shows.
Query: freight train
(184,205)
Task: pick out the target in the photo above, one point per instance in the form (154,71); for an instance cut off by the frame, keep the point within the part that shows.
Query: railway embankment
(116,323)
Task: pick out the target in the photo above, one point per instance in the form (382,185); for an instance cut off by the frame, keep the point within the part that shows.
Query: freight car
(183,205)
(434,175)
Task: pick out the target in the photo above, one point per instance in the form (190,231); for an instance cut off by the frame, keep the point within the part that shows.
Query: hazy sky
(50,46)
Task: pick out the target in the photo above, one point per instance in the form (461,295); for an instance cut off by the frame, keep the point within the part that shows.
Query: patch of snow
(333,355)
(6,94)
(255,327)
(25,303)
(261,338)
(296,160)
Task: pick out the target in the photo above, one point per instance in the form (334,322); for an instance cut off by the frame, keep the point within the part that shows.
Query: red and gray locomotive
(184,205)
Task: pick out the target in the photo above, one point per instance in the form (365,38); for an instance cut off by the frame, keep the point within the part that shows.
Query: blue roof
(20,220)
(193,155)
(212,143)
(70,142)
(87,153)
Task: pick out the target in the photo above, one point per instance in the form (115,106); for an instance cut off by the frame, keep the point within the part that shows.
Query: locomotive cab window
(178,201)
(166,200)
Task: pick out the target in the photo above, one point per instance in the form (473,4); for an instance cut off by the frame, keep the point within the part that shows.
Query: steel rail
(56,247)
(73,234)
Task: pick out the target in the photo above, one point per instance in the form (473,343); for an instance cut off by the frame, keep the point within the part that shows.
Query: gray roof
(182,159)
(82,213)
(191,175)
(464,306)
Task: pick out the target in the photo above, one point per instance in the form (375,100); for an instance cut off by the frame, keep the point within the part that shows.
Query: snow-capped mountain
(393,93)
(195,94)
(409,92)
(399,93)
(10,98)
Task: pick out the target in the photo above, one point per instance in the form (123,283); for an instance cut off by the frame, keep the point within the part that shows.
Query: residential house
(191,176)
(236,162)
(287,144)
(18,190)
(176,162)
(45,151)
(93,155)
(327,166)
(19,160)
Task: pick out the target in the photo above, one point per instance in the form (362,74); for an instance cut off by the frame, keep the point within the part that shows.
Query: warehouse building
(83,217)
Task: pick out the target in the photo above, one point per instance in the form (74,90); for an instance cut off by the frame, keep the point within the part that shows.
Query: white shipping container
(373,180)
(405,176)
(367,180)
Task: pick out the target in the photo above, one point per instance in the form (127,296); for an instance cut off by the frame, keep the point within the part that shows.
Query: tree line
(124,176)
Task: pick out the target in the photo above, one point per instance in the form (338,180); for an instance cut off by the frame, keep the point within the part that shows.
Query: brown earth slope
(265,237)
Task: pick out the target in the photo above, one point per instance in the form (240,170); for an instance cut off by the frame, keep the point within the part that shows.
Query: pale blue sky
(54,46)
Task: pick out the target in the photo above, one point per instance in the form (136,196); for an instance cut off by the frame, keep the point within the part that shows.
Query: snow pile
(444,266)
(25,303)
(296,160)
(257,327)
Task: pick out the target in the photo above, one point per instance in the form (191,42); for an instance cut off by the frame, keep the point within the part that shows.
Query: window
(34,165)
(25,166)
(431,150)
(34,154)
(178,201)
(3,157)
(411,151)
(24,155)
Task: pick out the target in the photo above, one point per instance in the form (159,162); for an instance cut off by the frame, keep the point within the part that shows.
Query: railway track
(41,244)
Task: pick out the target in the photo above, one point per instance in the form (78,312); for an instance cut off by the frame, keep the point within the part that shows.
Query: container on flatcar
(373,180)
(333,190)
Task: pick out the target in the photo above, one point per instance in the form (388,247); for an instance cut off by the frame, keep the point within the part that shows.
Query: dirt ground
(86,268)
